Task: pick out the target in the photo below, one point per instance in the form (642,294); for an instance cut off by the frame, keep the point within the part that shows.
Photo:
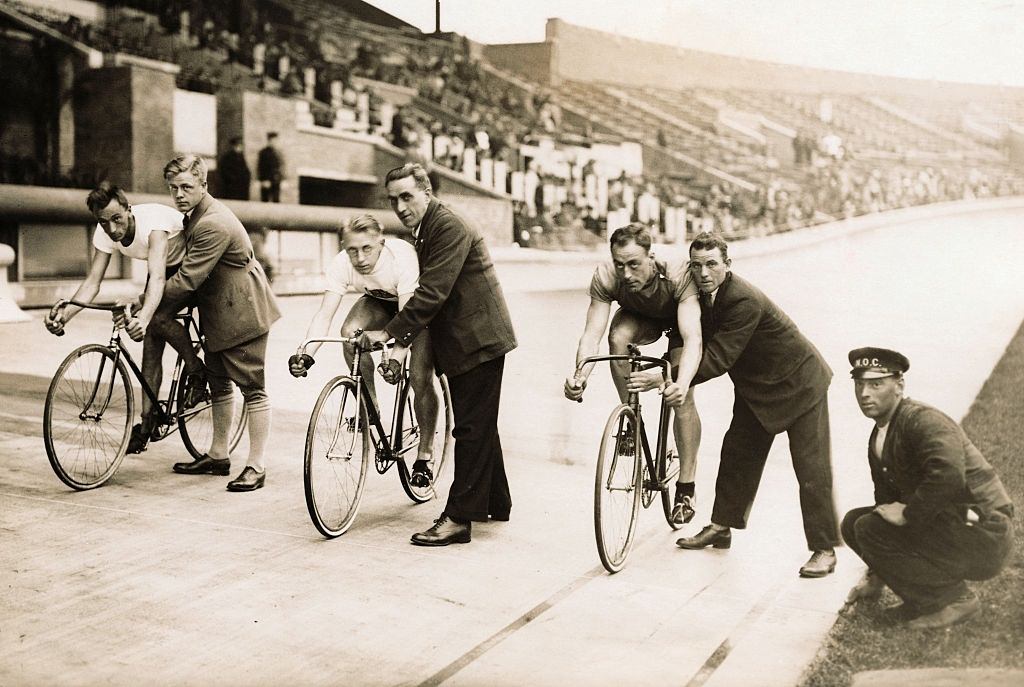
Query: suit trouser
(744,452)
(926,565)
(480,487)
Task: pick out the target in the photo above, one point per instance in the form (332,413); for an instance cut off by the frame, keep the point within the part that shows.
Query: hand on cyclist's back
(299,364)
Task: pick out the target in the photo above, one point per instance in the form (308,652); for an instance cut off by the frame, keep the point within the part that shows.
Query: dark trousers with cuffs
(744,452)
(480,487)
(926,565)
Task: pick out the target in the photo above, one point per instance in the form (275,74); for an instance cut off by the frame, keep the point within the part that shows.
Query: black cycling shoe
(139,439)
(196,390)
(422,475)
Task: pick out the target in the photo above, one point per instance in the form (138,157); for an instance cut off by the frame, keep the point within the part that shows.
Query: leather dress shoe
(958,611)
(444,532)
(249,480)
(820,563)
(204,466)
(709,536)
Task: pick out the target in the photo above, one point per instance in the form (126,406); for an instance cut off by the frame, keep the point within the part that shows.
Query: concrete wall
(123,125)
(103,142)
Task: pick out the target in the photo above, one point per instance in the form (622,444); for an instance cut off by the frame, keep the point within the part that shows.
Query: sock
(685,489)
(223,416)
(259,431)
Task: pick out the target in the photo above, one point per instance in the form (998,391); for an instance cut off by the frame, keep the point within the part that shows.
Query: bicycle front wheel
(337,457)
(617,488)
(88,417)
(196,424)
(413,432)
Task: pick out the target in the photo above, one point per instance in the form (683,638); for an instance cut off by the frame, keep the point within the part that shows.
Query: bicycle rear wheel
(337,457)
(441,437)
(88,417)
(617,488)
(196,424)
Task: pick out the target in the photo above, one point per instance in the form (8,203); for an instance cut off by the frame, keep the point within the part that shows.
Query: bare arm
(688,322)
(590,342)
(321,321)
(157,267)
(86,292)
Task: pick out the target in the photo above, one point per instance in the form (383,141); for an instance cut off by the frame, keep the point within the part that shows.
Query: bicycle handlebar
(665,365)
(109,307)
(353,340)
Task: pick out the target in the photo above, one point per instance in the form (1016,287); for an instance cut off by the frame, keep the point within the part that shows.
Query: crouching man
(941,514)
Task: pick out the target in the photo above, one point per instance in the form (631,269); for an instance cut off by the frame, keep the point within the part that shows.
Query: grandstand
(549,144)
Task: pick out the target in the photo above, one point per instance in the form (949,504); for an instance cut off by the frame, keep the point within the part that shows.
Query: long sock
(223,417)
(259,431)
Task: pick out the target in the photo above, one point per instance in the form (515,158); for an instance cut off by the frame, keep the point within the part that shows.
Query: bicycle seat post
(635,365)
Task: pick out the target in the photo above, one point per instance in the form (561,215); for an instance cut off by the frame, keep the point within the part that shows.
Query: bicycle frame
(119,350)
(639,363)
(387,446)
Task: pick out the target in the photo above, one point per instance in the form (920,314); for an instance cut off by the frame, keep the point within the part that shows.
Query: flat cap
(875,363)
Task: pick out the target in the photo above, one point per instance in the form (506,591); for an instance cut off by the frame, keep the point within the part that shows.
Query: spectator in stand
(398,129)
(270,170)
(235,176)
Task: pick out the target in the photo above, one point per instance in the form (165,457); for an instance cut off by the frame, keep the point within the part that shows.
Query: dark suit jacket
(270,164)
(230,288)
(928,463)
(458,296)
(234,175)
(775,369)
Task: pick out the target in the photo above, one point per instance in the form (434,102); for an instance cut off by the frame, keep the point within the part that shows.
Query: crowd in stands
(482,124)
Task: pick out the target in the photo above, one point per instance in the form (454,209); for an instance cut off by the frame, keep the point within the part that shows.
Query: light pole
(437,16)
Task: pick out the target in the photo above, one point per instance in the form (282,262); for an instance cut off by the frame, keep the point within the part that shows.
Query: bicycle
(344,423)
(623,481)
(90,407)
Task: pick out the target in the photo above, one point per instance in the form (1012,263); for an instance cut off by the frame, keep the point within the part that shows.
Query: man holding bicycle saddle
(653,299)
(236,309)
(150,232)
(386,272)
(460,299)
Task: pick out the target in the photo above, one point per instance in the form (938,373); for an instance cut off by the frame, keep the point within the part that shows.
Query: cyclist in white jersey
(386,271)
(150,232)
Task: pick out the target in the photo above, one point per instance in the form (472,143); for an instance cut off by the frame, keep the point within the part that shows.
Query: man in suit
(941,513)
(781,384)
(460,299)
(270,170)
(235,176)
(236,310)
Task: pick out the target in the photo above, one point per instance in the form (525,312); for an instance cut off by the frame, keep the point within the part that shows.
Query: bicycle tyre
(86,452)
(196,425)
(337,457)
(444,444)
(617,489)
(667,464)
